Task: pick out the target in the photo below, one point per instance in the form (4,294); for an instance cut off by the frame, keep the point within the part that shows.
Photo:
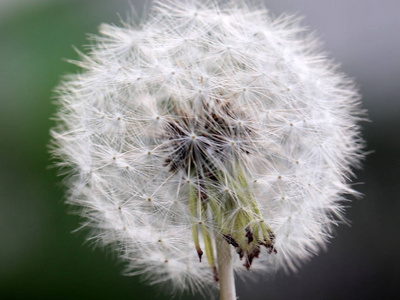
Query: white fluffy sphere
(208,121)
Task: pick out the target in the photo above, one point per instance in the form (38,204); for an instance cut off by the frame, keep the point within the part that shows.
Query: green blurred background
(39,256)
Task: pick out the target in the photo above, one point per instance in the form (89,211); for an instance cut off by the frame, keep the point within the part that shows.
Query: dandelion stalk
(225,270)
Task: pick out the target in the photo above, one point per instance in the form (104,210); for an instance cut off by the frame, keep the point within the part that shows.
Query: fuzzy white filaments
(208,128)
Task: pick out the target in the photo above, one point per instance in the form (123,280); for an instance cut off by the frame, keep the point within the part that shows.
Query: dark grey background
(40,258)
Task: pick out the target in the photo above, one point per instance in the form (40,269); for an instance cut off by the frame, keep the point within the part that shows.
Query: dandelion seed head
(208,121)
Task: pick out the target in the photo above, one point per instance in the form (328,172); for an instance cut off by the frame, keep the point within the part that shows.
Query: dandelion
(210,140)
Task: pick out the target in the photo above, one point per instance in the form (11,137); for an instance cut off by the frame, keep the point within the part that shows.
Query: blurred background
(39,256)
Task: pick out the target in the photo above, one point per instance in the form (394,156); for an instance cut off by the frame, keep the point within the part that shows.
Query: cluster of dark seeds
(214,129)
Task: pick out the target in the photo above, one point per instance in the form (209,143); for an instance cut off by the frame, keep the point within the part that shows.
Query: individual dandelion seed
(211,139)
